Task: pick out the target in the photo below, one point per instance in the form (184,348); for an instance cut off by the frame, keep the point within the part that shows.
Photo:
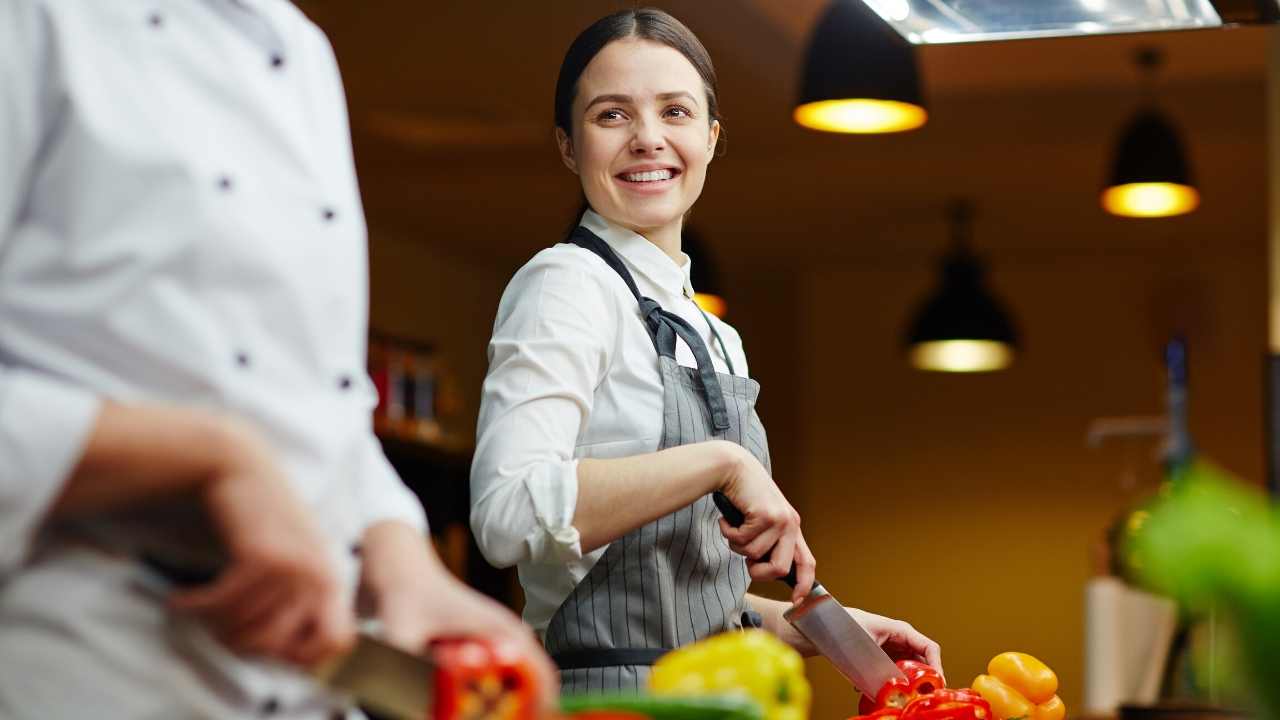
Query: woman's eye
(679,112)
(608,115)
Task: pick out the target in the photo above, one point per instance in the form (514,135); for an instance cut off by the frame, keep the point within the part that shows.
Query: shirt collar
(642,256)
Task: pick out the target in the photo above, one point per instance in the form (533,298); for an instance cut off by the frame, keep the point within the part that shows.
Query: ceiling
(450,104)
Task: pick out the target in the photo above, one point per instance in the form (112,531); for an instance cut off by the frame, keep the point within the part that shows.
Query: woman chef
(613,407)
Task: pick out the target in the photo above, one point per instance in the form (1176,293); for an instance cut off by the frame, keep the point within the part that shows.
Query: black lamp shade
(1150,151)
(962,308)
(854,53)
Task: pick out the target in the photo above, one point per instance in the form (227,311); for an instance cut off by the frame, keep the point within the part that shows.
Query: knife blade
(826,624)
(379,676)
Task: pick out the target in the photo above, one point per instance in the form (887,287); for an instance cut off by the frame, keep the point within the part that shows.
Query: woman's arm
(619,495)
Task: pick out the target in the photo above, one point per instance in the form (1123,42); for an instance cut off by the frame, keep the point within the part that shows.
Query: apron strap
(612,657)
(664,327)
(724,351)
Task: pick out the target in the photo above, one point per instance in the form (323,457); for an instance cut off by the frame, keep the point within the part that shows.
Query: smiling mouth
(648,176)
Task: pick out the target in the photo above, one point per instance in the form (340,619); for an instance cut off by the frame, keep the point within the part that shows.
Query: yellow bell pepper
(1020,687)
(753,663)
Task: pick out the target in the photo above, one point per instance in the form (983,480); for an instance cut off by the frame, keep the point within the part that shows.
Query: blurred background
(968,504)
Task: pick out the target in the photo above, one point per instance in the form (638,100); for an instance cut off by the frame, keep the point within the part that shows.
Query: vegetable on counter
(921,679)
(751,663)
(1020,687)
(922,695)
(649,707)
(1213,542)
(479,679)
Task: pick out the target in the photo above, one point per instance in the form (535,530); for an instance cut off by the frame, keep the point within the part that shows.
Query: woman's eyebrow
(628,100)
(624,99)
(676,94)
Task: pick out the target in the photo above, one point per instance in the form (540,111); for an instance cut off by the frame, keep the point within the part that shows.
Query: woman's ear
(713,139)
(565,144)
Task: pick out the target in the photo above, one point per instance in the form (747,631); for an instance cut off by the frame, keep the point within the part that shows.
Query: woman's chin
(650,218)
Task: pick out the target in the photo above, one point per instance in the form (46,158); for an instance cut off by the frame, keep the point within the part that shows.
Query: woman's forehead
(639,68)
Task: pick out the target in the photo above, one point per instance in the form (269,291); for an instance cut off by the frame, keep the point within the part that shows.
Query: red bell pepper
(882,714)
(948,704)
(921,679)
(481,680)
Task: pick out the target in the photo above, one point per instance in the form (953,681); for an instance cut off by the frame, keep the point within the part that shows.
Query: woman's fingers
(806,569)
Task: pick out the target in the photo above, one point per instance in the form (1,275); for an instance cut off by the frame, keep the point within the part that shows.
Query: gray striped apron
(674,580)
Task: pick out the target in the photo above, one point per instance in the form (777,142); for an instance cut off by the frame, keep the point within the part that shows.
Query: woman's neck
(667,238)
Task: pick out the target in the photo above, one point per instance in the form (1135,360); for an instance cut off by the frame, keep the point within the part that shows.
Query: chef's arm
(771,612)
(139,452)
(619,495)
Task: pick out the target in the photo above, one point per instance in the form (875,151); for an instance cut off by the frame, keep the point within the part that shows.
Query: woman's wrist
(771,614)
(731,459)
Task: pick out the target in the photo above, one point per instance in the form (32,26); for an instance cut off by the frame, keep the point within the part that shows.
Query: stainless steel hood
(926,22)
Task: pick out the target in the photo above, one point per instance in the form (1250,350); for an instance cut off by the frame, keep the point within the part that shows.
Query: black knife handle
(179,575)
(735,518)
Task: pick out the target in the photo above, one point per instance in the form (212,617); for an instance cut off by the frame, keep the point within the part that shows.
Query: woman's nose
(647,138)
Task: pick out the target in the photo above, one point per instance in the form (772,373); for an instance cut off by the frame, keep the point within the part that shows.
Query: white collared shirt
(179,223)
(573,374)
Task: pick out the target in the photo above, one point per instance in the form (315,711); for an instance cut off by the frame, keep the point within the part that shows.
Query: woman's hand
(771,527)
(280,595)
(899,639)
(417,600)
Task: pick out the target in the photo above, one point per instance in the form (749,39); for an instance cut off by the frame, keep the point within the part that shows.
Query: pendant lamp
(1150,175)
(702,274)
(860,75)
(962,327)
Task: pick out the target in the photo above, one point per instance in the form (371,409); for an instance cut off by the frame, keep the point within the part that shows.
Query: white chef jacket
(179,223)
(573,374)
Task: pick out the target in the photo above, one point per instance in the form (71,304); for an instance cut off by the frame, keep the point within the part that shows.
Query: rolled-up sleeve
(555,330)
(45,423)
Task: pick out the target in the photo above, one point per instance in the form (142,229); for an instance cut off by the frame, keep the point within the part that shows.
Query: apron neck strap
(664,327)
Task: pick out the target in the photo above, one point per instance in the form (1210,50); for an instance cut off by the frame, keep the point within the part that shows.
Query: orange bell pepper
(1020,687)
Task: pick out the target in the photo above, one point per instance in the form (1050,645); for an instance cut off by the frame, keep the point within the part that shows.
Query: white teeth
(650,176)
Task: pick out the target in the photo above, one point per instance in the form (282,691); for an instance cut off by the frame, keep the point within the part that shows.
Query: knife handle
(735,518)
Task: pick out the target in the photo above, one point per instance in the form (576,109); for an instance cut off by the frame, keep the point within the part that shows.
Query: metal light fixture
(702,274)
(926,22)
(1150,175)
(962,327)
(860,76)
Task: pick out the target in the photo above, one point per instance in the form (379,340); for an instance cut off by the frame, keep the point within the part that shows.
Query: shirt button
(344,382)
(328,214)
(270,707)
(242,359)
(156,20)
(224,183)
(277,61)
(356,549)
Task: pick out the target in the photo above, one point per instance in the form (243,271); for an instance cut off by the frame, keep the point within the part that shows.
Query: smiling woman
(607,420)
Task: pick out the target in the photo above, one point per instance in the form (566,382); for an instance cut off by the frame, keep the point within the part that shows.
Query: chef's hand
(899,639)
(770,525)
(279,595)
(417,600)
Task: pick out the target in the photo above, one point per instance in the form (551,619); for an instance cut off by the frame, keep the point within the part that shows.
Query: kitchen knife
(826,624)
(457,677)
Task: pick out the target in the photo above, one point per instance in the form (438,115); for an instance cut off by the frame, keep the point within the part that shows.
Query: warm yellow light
(861,116)
(1158,199)
(713,304)
(961,355)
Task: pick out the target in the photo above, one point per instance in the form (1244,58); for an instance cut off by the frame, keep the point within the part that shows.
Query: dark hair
(644,23)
